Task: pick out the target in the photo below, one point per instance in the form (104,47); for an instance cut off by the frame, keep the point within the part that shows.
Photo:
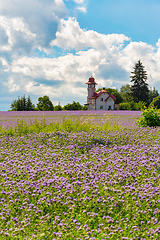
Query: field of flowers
(91,183)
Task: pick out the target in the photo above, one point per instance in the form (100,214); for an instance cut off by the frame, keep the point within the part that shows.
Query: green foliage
(125,106)
(125,92)
(74,106)
(67,125)
(29,105)
(152,94)
(44,104)
(140,105)
(115,92)
(132,106)
(22,104)
(156,102)
(139,88)
(58,108)
(150,118)
(85,108)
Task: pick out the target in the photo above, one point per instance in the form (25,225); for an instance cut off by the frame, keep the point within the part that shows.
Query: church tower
(91,88)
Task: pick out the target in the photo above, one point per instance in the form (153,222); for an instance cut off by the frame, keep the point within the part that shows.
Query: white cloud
(71,36)
(29,24)
(149,55)
(41,90)
(78,1)
(11,85)
(17,35)
(135,51)
(82,9)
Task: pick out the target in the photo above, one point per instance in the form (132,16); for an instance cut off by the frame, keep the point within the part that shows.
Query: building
(101,100)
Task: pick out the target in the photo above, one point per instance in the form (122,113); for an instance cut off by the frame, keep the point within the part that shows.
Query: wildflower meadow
(78,175)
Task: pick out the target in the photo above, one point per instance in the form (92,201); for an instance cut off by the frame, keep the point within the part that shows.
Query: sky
(52,47)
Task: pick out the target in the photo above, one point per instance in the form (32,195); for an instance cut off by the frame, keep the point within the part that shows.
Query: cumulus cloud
(82,9)
(149,56)
(16,36)
(29,24)
(135,51)
(71,36)
(11,85)
(59,78)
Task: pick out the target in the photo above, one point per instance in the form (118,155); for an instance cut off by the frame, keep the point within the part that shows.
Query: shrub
(58,108)
(150,118)
(140,105)
(125,106)
(132,106)
(156,102)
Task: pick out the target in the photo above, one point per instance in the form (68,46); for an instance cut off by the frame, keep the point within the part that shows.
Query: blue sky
(137,19)
(52,47)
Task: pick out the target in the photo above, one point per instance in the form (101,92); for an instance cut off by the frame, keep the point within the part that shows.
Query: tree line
(44,104)
(134,96)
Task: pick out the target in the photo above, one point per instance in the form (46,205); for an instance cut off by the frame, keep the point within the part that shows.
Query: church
(101,100)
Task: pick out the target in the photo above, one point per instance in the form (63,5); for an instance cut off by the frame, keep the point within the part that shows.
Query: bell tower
(91,88)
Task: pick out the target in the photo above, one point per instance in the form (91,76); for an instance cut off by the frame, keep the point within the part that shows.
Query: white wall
(92,104)
(109,102)
(101,103)
(105,104)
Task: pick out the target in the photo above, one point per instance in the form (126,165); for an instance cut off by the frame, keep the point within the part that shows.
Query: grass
(67,125)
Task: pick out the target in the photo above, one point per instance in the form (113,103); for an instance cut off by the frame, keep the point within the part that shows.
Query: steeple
(91,88)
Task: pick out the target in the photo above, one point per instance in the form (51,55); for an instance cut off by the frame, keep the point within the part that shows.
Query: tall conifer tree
(22,104)
(139,89)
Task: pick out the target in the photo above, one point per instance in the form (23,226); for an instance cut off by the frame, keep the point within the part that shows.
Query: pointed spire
(91,81)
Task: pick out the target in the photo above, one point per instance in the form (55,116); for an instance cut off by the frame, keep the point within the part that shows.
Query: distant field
(118,117)
(78,175)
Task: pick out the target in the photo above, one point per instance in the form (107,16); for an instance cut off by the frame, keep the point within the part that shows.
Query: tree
(126,93)
(58,108)
(22,104)
(139,89)
(29,105)
(74,106)
(152,94)
(14,106)
(44,104)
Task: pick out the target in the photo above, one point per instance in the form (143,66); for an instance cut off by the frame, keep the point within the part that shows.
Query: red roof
(91,81)
(97,94)
(112,96)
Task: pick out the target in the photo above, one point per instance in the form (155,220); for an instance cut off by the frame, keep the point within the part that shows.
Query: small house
(101,100)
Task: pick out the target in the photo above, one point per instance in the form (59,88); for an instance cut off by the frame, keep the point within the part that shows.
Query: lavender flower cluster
(81,186)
